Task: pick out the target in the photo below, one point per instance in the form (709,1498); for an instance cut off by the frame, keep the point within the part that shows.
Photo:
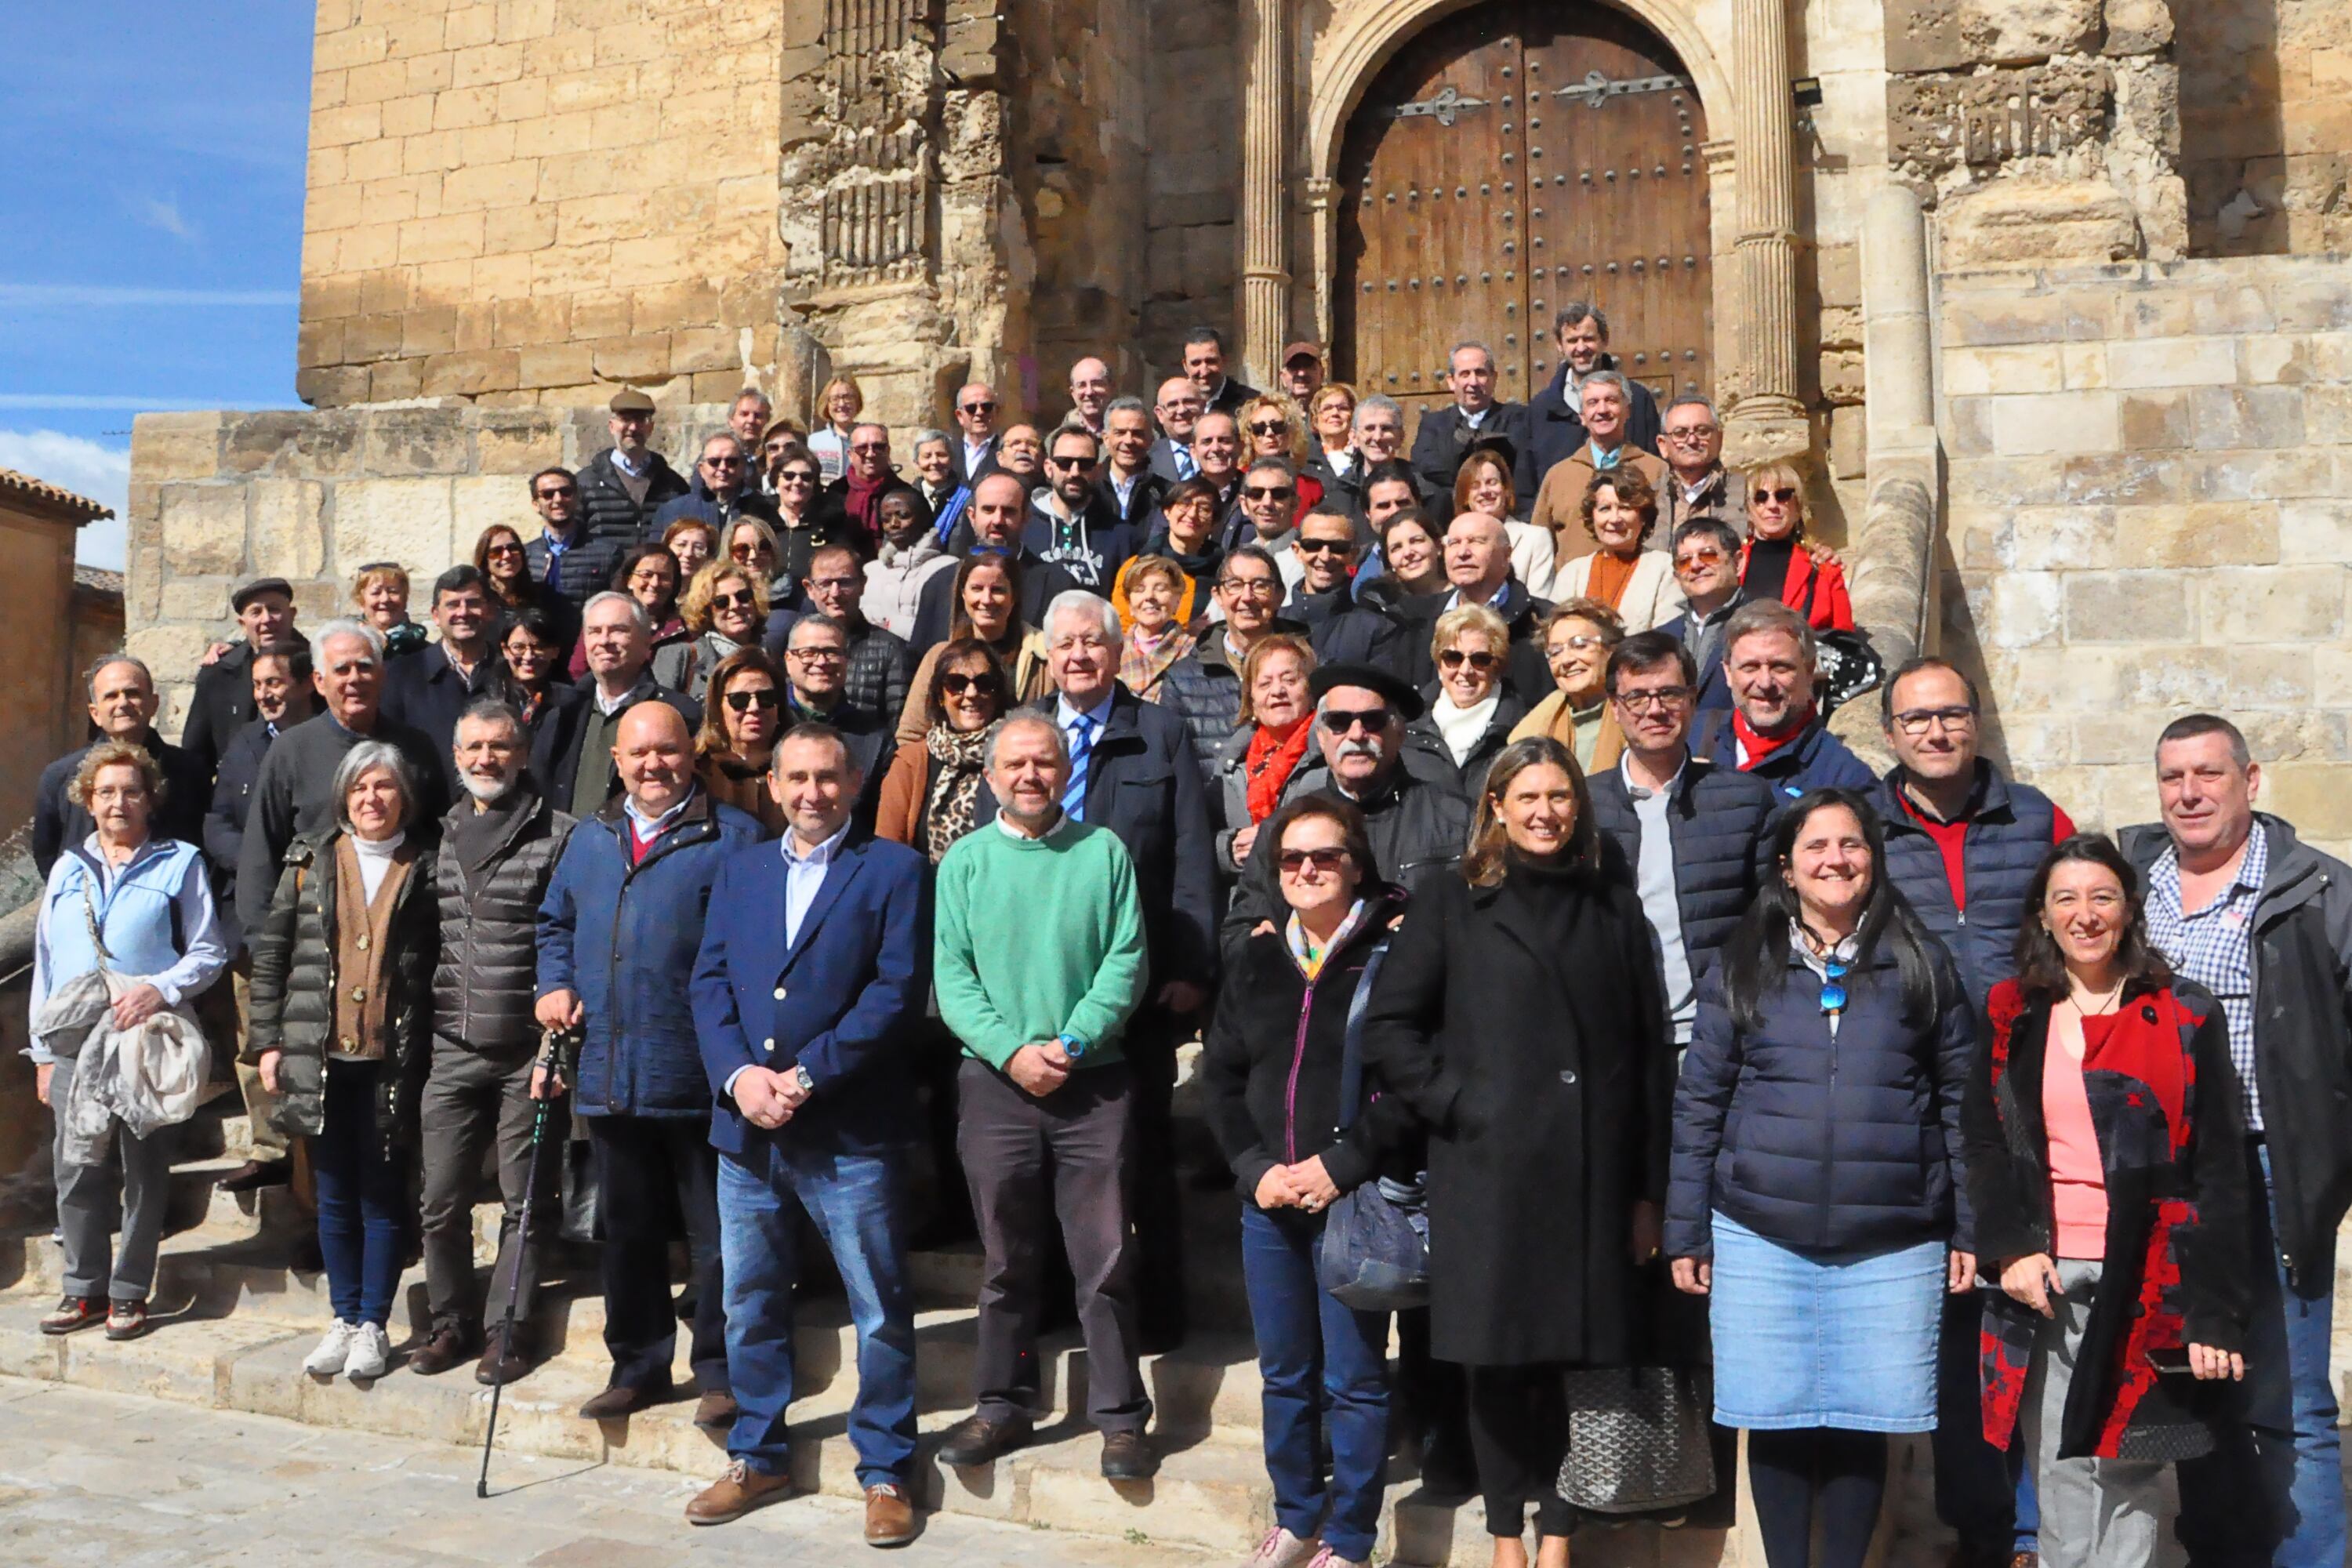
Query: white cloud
(85,467)
(163,212)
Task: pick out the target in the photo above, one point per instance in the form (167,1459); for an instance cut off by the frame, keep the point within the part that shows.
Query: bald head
(653,753)
(1000,503)
(1179,408)
(1478,556)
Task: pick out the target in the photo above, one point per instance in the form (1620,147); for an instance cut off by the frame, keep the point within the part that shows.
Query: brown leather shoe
(500,1362)
(716,1408)
(442,1350)
(621,1400)
(1128,1456)
(977,1440)
(889,1515)
(735,1494)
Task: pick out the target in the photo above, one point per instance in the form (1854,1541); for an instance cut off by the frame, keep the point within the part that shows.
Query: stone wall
(2266,116)
(309,495)
(2148,472)
(1191,179)
(531,201)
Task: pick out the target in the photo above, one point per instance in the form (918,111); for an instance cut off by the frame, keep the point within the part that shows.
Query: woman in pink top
(2105,1144)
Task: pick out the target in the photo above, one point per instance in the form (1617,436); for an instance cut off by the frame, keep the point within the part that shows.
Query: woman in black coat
(1272,1068)
(1519,1016)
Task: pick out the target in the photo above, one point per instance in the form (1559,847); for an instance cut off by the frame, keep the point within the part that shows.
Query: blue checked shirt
(2214,947)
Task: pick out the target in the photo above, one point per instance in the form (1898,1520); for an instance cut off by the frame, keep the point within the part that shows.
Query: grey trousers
(472,1100)
(2095,1513)
(138,1174)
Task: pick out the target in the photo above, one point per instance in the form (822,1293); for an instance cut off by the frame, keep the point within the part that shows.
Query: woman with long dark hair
(1519,1017)
(985,602)
(743,719)
(1817,1172)
(2105,1135)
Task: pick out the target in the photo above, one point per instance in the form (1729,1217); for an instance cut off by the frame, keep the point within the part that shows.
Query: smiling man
(428,691)
(122,704)
(1774,728)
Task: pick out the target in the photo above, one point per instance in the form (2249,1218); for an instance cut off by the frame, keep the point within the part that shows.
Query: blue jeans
(1983,1493)
(853,1200)
(362,1193)
(1318,1361)
(2272,1495)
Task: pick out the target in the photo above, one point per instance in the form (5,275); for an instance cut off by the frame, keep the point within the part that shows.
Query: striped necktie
(1082,745)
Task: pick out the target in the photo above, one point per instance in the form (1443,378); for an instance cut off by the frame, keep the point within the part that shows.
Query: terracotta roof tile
(55,497)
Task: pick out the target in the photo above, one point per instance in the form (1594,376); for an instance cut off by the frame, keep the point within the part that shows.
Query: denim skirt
(1840,1339)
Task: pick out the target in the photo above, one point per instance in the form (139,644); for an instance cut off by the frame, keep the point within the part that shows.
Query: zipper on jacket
(1298,1061)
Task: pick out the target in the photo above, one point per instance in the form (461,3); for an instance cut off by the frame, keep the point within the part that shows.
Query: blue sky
(153,207)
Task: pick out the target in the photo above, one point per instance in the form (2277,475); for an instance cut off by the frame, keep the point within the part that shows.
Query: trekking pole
(550,1057)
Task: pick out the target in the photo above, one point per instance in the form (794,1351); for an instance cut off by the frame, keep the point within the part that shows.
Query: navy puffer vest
(2010,829)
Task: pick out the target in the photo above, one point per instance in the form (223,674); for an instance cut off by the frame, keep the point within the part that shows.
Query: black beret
(1398,694)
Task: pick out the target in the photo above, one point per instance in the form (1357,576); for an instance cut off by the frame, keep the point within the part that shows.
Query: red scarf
(1267,765)
(1758,746)
(859,503)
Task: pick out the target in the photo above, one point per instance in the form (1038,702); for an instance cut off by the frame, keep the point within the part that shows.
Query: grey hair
(1577,310)
(1126,402)
(365,759)
(729,437)
(818,620)
(645,622)
(1379,403)
(753,392)
(1771,615)
(927,434)
(1073,600)
(1609,378)
(1022,719)
(494,711)
(1689,399)
(348,627)
(870,425)
(108,662)
(1470,343)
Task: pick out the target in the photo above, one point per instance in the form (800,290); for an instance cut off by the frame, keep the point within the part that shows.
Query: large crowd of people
(848,848)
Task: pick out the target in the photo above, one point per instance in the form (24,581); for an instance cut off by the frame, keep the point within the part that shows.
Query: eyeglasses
(743,601)
(869,449)
(1661,697)
(1454,658)
(1305,546)
(1919,720)
(1269,427)
(1833,988)
(1072,462)
(747,551)
(1574,645)
(722,462)
(837,585)
(955,685)
(559,491)
(818,654)
(1699,558)
(1783,496)
(762,698)
(989,407)
(1325,861)
(795,476)
(1255,587)
(1268,493)
(1339,720)
(508,548)
(1692,436)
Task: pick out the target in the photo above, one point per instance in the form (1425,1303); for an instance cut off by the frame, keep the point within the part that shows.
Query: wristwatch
(800,1077)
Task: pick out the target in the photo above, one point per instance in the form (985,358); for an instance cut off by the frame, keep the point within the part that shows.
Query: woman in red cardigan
(1775,563)
(2105,1138)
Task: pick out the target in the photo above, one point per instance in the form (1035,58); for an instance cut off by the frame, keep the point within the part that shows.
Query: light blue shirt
(804,878)
(652,828)
(1065,715)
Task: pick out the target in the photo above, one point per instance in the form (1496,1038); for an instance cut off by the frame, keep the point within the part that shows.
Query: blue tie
(1185,467)
(1082,745)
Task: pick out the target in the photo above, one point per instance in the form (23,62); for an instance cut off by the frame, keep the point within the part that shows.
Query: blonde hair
(1469,618)
(1292,419)
(1315,404)
(381,572)
(694,604)
(115,755)
(1255,660)
(839,384)
(1787,474)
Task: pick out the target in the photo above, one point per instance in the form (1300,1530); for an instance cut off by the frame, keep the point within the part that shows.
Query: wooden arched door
(1511,158)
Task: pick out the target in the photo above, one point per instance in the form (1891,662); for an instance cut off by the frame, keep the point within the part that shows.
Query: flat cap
(1398,693)
(1302,350)
(629,400)
(245,593)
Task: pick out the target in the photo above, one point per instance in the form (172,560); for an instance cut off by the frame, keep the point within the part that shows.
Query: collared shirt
(1604,461)
(804,878)
(1013,829)
(1654,880)
(203,957)
(1473,420)
(1494,602)
(2214,947)
(1065,715)
(648,828)
(1124,488)
(976,452)
(634,467)
(608,706)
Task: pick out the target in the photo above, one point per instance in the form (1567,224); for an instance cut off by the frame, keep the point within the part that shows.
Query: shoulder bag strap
(97,938)
(1351,1058)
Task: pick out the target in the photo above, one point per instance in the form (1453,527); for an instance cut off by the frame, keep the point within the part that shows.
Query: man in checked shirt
(2237,903)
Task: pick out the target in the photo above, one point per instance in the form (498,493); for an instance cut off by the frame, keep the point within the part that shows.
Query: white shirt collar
(1643,791)
(1012,829)
(653,826)
(1065,715)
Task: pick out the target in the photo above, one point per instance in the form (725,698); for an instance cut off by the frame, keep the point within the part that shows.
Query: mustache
(1367,748)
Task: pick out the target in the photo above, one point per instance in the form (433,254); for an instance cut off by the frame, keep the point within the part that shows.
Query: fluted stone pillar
(1265,207)
(1769,420)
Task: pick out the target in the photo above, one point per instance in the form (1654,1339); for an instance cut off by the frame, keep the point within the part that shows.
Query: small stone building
(2048,293)
(55,627)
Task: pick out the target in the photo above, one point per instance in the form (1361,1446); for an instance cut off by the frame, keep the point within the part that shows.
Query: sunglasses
(867,449)
(1454,658)
(1072,462)
(1339,720)
(1833,988)
(956,685)
(1269,427)
(1294,861)
(977,408)
(559,491)
(746,552)
(508,548)
(1783,496)
(743,601)
(763,699)
(1322,546)
(1699,558)
(795,476)
(722,462)
(1267,492)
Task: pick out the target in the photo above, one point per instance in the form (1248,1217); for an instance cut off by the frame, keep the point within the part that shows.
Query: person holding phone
(2104,1140)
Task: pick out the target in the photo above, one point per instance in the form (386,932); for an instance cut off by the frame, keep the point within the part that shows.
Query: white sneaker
(371,1354)
(1280,1549)
(334,1350)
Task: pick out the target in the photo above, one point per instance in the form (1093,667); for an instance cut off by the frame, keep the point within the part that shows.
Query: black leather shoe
(1128,1456)
(977,1440)
(256,1174)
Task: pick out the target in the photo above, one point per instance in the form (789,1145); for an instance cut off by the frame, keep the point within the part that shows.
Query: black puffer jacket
(294,983)
(1204,689)
(612,517)
(488,976)
(1418,832)
(1718,820)
(1428,756)
(1271,1061)
(881,667)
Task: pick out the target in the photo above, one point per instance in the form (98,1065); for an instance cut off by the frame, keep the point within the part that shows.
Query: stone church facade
(2048,294)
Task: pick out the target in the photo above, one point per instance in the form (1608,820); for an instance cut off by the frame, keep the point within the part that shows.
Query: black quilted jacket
(488,975)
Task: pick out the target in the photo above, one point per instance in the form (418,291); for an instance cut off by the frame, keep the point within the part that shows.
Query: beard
(488,791)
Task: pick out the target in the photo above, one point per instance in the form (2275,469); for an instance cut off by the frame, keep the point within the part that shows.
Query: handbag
(1374,1256)
(1637,1439)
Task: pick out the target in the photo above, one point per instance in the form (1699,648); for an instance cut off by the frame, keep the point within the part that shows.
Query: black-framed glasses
(1833,997)
(988,407)
(1255,587)
(1660,697)
(1692,436)
(1072,462)
(743,601)
(1305,546)
(1269,427)
(1268,493)
(722,462)
(1919,720)
(559,492)
(1454,658)
(955,684)
(763,698)
(818,654)
(1783,496)
(1339,720)
(1326,860)
(795,476)
(867,449)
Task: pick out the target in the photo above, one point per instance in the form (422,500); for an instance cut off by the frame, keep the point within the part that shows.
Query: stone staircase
(232,1322)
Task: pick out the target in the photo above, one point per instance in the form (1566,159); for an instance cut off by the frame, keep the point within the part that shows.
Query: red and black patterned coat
(2166,1106)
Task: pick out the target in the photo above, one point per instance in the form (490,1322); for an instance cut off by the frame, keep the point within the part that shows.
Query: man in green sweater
(1039,1000)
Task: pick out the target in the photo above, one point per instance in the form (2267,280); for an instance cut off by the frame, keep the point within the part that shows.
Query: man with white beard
(498,845)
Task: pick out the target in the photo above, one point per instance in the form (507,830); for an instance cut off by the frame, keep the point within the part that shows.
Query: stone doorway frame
(1752,189)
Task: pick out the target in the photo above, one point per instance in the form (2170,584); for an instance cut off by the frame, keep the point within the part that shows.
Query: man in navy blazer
(813,965)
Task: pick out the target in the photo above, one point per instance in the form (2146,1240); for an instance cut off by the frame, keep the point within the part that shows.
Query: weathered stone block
(1973,373)
(2312,796)
(176,445)
(2223,418)
(1998,31)
(2154,421)
(416,441)
(478,500)
(2189,536)
(2128,607)
(2019,223)
(204,528)
(288,539)
(2172,362)
(2055,539)
(408,520)
(1940,123)
(2059,422)
(465,374)
(2138,27)
(2022,609)
(2252,605)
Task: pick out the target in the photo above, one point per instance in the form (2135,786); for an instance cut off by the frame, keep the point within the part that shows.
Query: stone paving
(89,1478)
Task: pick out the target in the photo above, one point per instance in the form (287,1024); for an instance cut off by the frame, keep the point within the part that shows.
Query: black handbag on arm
(1374,1256)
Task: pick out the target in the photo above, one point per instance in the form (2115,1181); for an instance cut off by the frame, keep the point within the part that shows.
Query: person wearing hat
(1446,434)
(223,701)
(1417,826)
(1302,371)
(622,486)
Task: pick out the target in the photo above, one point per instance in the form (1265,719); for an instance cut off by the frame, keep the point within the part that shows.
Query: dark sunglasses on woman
(762,698)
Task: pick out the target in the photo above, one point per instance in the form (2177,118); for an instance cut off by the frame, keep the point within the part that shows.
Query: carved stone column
(1323,214)
(1768,419)
(1265,207)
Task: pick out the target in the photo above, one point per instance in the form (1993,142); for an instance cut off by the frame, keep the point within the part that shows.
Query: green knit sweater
(1036,938)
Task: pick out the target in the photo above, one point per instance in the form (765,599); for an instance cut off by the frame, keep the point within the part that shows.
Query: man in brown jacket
(1559,500)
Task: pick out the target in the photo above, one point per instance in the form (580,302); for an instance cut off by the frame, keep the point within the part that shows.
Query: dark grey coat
(488,976)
